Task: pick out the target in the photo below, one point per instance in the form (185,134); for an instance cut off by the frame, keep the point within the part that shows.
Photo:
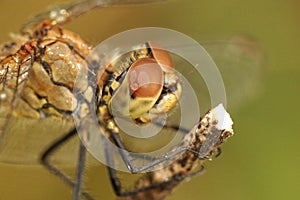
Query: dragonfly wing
(21,136)
(64,13)
(26,139)
(36,85)
(241,61)
(13,76)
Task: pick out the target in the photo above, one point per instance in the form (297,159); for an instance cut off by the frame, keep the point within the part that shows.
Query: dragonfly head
(149,86)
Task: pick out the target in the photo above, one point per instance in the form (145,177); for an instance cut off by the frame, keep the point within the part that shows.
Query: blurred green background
(262,161)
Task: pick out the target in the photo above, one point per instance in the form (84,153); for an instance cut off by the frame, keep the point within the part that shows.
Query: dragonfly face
(141,86)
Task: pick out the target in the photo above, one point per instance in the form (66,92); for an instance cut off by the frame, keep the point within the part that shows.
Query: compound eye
(162,57)
(145,78)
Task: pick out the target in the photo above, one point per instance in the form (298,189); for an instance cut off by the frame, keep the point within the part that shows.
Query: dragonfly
(37,76)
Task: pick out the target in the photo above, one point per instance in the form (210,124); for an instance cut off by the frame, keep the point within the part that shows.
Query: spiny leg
(115,182)
(219,152)
(126,156)
(114,179)
(80,172)
(197,173)
(55,146)
(182,130)
(167,185)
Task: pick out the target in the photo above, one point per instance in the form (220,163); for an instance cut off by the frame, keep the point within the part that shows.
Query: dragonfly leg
(79,176)
(80,172)
(161,186)
(126,156)
(219,152)
(172,127)
(197,173)
(182,130)
(164,185)
(116,183)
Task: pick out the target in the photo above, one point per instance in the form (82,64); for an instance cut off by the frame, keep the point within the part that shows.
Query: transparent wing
(65,13)
(13,76)
(242,63)
(24,134)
